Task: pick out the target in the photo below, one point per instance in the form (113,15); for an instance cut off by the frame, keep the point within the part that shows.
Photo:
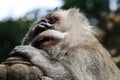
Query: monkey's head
(69,26)
(65,20)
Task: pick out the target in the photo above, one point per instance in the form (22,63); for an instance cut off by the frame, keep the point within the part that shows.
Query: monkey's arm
(52,68)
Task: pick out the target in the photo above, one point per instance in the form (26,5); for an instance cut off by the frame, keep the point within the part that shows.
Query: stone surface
(16,68)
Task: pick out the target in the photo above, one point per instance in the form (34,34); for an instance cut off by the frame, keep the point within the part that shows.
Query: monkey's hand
(49,38)
(26,51)
(42,34)
(51,67)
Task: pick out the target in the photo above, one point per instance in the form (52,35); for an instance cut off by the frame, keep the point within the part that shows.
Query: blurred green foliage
(91,7)
(11,34)
(12,31)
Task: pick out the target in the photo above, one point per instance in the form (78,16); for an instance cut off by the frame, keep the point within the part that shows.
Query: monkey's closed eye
(53,20)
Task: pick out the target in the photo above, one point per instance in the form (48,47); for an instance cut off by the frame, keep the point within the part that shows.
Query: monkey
(63,44)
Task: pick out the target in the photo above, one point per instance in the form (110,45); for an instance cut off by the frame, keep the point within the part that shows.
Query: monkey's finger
(44,20)
(54,34)
(14,50)
(39,28)
(46,25)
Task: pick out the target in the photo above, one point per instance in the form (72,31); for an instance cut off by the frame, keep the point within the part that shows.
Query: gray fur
(79,56)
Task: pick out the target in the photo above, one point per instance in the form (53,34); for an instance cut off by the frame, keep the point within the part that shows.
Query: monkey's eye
(53,20)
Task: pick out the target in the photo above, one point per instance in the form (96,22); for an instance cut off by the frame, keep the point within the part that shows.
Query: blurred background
(16,16)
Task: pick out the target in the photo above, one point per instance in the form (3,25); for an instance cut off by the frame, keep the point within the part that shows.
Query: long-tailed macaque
(63,45)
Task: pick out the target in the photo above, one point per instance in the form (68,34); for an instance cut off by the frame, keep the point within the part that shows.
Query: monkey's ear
(73,11)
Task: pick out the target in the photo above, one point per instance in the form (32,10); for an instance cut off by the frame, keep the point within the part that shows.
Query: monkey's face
(49,31)
(53,28)
(58,21)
